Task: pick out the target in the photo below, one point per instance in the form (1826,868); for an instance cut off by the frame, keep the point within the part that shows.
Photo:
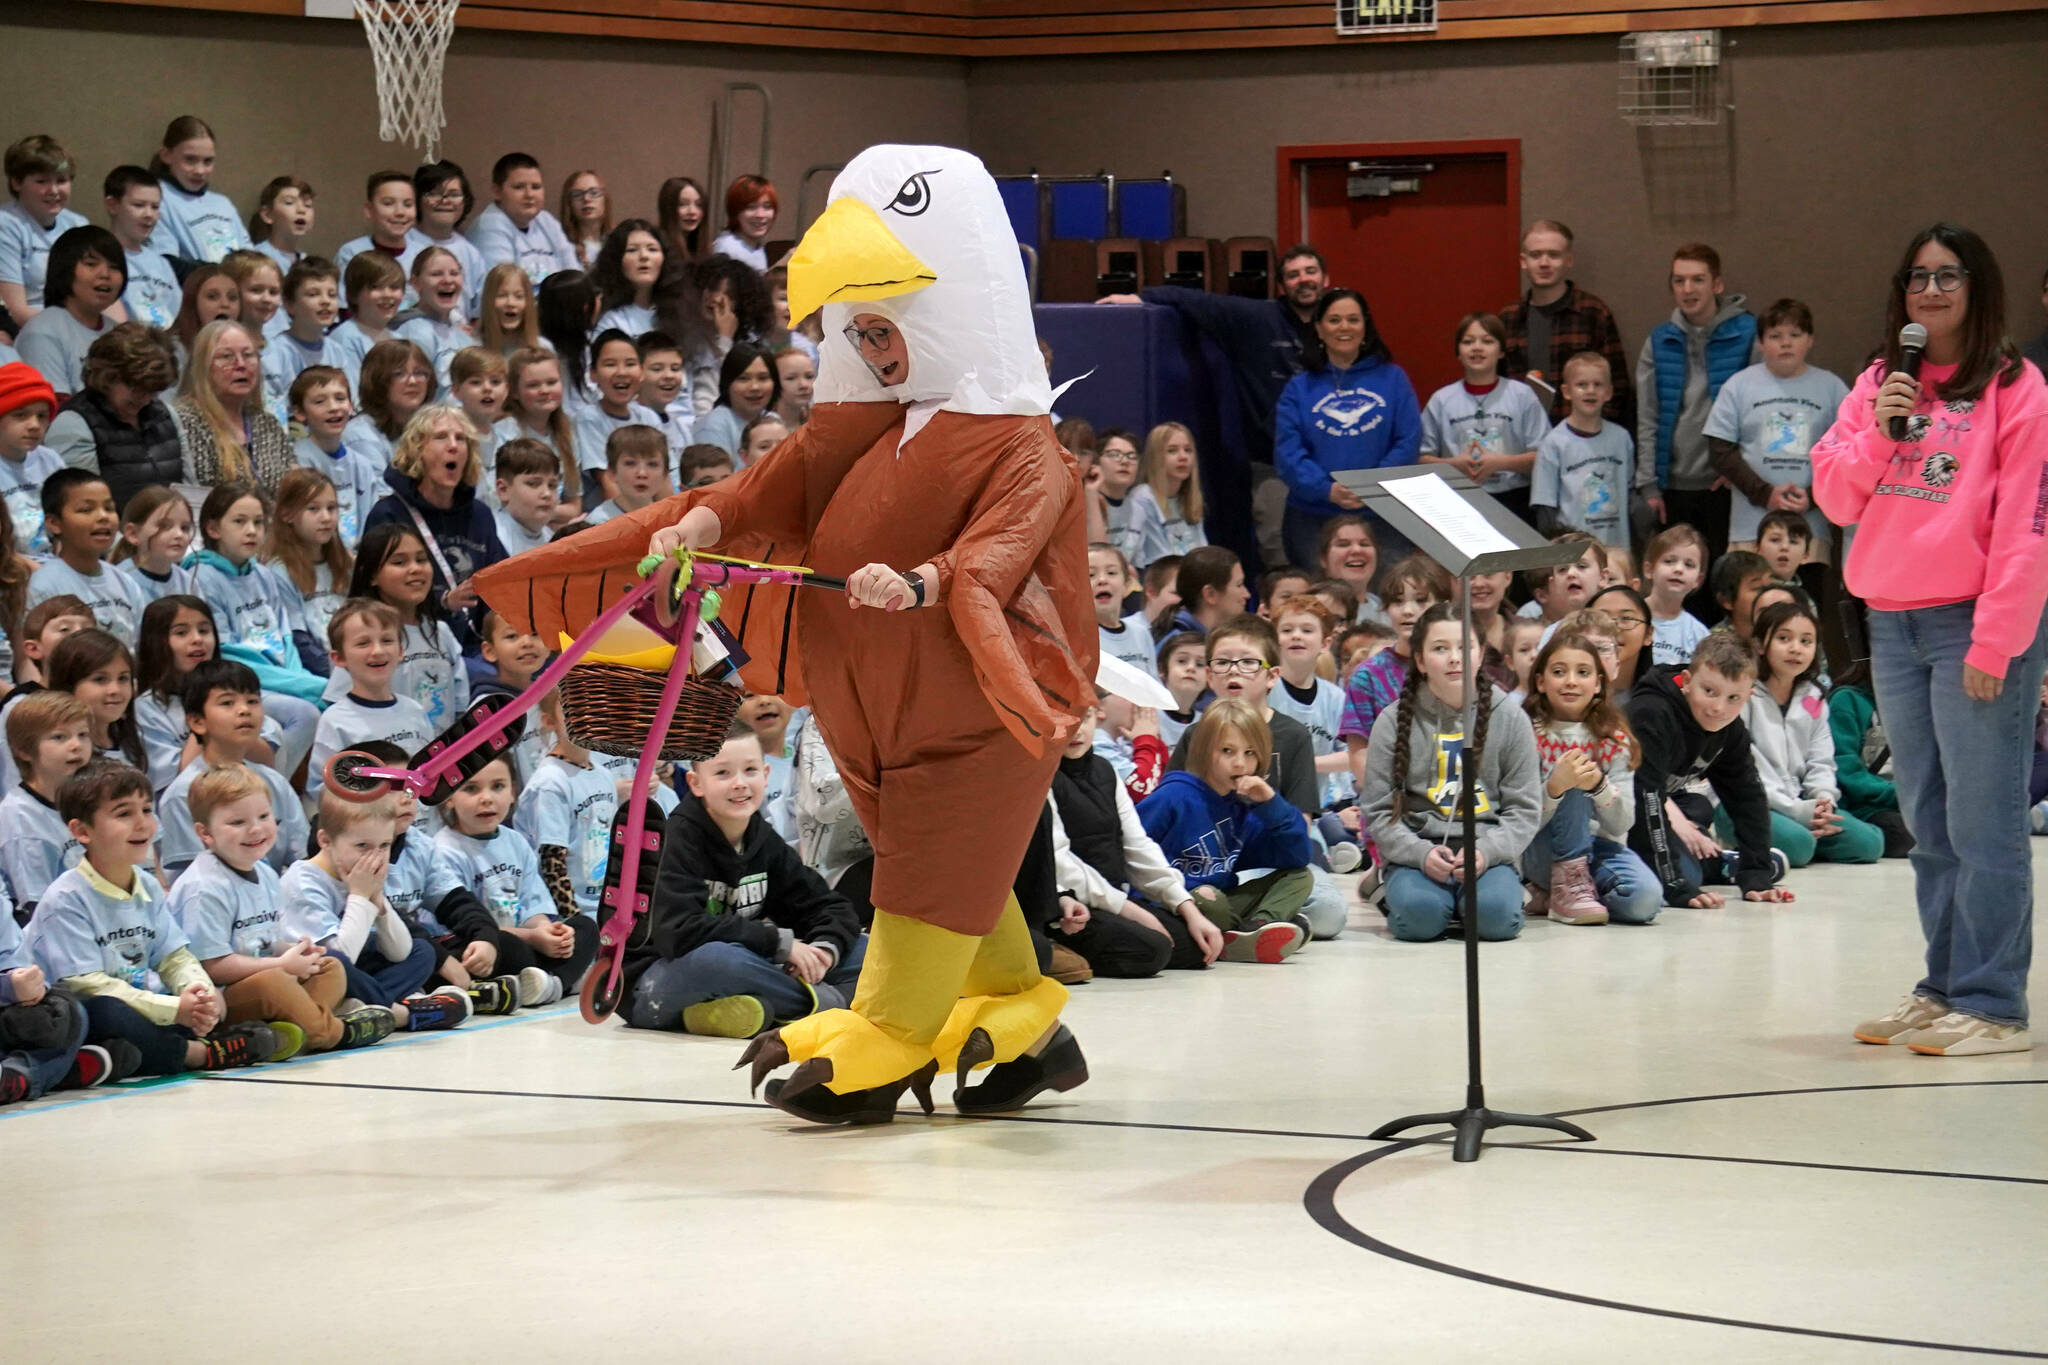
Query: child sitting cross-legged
(1219,814)
(50,736)
(227,901)
(1583,872)
(1105,861)
(103,933)
(1688,723)
(1787,719)
(428,894)
(741,935)
(43,1032)
(1244,656)
(224,709)
(501,869)
(336,899)
(1414,780)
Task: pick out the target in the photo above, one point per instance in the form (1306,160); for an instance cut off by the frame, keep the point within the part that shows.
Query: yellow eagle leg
(908,985)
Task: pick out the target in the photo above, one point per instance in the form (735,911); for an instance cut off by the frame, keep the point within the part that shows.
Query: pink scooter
(676,593)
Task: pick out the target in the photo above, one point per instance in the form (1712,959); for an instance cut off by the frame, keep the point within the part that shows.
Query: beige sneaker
(1965,1035)
(1914,1012)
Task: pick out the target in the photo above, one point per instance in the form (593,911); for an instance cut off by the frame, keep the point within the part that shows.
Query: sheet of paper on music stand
(1456,520)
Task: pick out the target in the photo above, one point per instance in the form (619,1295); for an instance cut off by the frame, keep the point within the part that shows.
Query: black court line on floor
(1227,1131)
(1320,1200)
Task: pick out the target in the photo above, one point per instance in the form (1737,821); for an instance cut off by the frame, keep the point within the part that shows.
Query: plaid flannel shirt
(1578,322)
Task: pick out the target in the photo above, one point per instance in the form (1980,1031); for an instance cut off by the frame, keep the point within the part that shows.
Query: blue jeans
(716,970)
(375,979)
(1963,768)
(46,1067)
(1419,909)
(1627,887)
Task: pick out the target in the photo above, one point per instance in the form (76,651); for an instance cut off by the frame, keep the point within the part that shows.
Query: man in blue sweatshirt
(1264,340)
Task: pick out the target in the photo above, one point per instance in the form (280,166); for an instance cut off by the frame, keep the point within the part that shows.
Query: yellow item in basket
(630,644)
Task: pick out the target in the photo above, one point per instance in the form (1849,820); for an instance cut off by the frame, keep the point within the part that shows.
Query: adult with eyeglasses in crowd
(1945,477)
(224,433)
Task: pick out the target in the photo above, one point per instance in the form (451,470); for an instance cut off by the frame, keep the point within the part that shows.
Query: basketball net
(409,42)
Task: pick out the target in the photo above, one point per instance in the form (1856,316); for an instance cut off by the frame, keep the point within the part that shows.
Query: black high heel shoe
(804,1094)
(1009,1085)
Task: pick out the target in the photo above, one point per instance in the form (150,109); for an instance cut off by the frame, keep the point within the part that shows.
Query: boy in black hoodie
(740,935)
(1689,724)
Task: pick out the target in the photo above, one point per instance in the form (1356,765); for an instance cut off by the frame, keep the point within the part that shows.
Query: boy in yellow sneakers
(741,935)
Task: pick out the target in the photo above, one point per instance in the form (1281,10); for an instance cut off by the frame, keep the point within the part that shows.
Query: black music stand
(1465,549)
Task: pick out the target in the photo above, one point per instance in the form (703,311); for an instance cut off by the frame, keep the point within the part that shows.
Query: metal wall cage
(1671,78)
(1364,18)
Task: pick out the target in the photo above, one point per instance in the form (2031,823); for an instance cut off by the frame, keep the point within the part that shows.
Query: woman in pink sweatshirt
(1951,555)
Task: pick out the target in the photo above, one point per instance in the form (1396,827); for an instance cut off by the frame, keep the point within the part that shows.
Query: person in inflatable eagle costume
(951,676)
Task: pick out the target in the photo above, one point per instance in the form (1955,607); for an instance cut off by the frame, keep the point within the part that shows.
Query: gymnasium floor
(1763,1188)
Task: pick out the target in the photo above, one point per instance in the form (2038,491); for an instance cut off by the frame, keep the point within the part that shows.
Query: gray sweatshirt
(1510,789)
(1690,466)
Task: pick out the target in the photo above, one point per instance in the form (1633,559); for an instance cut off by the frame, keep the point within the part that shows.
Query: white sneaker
(1915,1012)
(1965,1035)
(2037,816)
(553,992)
(1345,857)
(533,987)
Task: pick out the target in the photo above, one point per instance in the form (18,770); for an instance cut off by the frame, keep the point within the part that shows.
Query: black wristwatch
(916,582)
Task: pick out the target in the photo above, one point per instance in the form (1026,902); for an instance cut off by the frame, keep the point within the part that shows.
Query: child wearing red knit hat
(27,403)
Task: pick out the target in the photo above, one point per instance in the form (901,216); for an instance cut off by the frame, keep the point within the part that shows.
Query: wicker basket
(611,709)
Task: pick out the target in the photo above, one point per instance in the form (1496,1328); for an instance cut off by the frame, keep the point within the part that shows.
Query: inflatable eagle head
(915,245)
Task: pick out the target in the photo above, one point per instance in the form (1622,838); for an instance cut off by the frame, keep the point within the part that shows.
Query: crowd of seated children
(455,400)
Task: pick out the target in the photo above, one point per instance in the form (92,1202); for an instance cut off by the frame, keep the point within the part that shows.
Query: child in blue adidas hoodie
(1220,815)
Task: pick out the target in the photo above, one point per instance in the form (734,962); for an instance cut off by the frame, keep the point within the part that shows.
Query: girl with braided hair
(1415,772)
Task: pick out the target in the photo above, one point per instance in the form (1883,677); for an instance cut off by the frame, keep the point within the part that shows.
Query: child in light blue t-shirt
(49,735)
(81,520)
(198,223)
(230,904)
(39,211)
(224,710)
(248,606)
(501,868)
(566,812)
(1585,468)
(134,201)
(27,403)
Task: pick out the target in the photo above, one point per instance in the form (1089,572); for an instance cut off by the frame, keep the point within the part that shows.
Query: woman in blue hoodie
(433,477)
(1220,815)
(1352,407)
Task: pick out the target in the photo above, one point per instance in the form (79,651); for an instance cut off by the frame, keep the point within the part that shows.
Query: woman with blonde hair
(1166,506)
(433,476)
(224,434)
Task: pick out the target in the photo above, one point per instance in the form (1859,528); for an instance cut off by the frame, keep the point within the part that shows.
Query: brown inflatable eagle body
(947,720)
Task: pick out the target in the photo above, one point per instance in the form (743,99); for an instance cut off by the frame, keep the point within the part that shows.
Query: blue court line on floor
(101,1094)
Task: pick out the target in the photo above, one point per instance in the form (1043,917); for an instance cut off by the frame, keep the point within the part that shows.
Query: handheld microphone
(1912,346)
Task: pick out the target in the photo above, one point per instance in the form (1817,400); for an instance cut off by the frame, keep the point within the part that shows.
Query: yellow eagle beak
(850,254)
